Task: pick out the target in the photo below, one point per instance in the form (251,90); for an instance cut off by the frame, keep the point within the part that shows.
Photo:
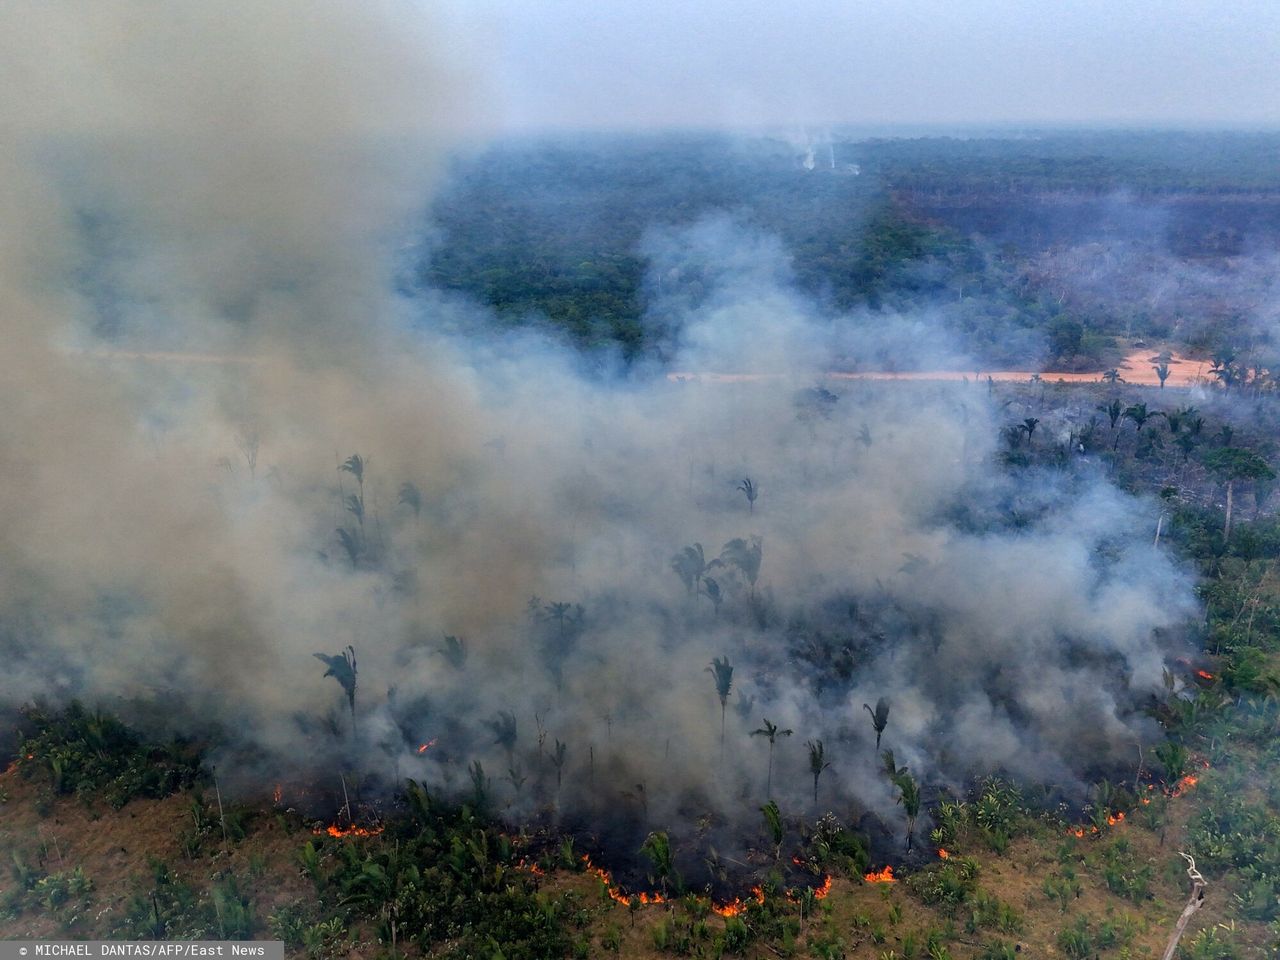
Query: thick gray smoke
(201,206)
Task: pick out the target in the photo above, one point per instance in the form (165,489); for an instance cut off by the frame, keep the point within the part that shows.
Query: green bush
(951,881)
(93,755)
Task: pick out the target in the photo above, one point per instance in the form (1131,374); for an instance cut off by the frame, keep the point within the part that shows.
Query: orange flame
(1183,785)
(733,908)
(1204,674)
(334,830)
(942,854)
(428,745)
(277,794)
(881,876)
(615,892)
(820,893)
(1113,819)
(738,905)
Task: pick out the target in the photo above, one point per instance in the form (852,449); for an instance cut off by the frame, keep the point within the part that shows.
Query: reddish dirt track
(1137,368)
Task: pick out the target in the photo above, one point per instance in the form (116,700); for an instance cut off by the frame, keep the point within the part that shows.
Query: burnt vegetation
(748,751)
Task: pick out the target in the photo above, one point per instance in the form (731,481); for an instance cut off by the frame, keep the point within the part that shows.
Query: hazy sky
(607,63)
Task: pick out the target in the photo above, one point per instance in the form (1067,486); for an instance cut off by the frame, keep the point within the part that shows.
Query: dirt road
(1137,368)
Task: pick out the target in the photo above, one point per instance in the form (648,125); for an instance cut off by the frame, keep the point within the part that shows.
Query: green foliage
(64,895)
(773,821)
(442,876)
(1212,943)
(835,847)
(95,756)
(986,910)
(169,909)
(1062,887)
(1122,873)
(1076,941)
(949,882)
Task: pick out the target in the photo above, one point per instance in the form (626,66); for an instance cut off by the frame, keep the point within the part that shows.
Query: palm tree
(1176,419)
(355,465)
(1186,443)
(879,717)
(1029,427)
(722,671)
(751,490)
(817,763)
(746,555)
(1139,414)
(1162,371)
(1225,368)
(773,820)
(771,731)
(350,540)
(480,784)
(1112,376)
(909,797)
(560,613)
(515,776)
(355,506)
(1114,410)
(690,564)
(342,667)
(657,847)
(504,733)
(411,497)
(711,590)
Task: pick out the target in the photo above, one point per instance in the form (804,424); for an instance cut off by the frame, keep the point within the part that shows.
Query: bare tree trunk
(221,816)
(1194,903)
(1226,531)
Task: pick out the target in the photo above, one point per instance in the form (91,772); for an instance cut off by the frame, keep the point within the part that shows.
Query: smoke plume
(202,209)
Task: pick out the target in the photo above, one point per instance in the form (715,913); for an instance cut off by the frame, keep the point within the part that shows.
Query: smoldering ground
(200,331)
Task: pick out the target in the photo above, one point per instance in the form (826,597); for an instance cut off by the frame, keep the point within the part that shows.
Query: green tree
(1231,465)
(1114,411)
(908,792)
(771,731)
(690,564)
(657,847)
(879,717)
(746,555)
(722,671)
(1140,415)
(773,821)
(817,763)
(342,667)
(504,733)
(1028,426)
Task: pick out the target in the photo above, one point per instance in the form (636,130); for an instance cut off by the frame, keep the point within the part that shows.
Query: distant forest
(1029,249)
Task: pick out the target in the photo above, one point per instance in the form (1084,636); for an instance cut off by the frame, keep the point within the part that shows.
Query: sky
(606,64)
